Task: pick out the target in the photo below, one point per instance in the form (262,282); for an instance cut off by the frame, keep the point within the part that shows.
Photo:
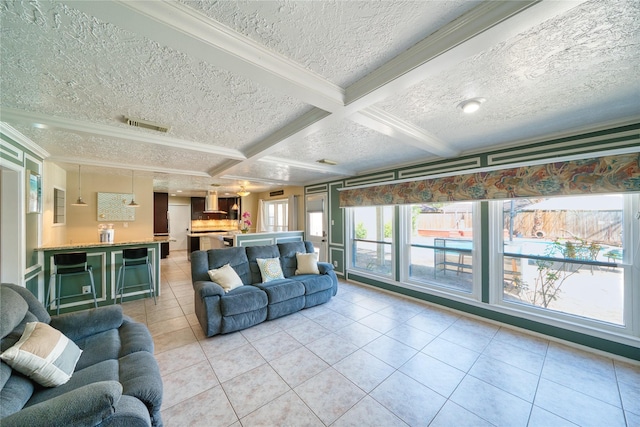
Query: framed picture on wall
(34,192)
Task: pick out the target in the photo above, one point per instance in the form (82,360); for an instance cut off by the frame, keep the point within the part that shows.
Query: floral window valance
(608,174)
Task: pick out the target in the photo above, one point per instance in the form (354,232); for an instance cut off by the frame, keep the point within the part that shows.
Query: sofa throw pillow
(270,269)
(44,354)
(307,263)
(226,277)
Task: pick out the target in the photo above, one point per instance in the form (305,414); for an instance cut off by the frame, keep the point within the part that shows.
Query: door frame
(321,243)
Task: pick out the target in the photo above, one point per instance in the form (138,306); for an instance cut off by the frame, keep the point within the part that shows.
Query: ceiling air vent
(146,124)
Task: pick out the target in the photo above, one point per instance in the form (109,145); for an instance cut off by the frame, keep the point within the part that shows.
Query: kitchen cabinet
(161,220)
(160,213)
(224,204)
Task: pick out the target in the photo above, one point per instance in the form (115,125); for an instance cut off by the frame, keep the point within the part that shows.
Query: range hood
(211,203)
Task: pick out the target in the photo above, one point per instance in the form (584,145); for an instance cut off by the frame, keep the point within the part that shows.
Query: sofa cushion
(288,259)
(35,307)
(15,392)
(255,252)
(281,290)
(43,354)
(226,277)
(270,269)
(203,261)
(103,371)
(314,283)
(14,308)
(242,300)
(99,347)
(307,263)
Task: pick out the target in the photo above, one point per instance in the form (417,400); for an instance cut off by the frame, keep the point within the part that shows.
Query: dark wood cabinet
(160,210)
(197,208)
(224,204)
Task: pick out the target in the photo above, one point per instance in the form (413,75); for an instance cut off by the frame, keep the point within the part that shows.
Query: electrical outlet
(335,263)
(86,289)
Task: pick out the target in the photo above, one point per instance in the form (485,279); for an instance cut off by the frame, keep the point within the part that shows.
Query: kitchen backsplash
(214,224)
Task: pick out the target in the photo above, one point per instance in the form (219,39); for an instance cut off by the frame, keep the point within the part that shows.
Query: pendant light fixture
(243,192)
(79,202)
(133,203)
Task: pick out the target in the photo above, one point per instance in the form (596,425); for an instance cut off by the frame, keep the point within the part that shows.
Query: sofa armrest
(325,267)
(85,406)
(81,324)
(207,289)
(130,412)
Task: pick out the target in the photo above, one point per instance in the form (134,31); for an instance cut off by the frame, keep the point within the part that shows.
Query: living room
(356,112)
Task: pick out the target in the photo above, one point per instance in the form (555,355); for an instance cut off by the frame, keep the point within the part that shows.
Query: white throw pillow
(226,277)
(270,269)
(307,263)
(44,354)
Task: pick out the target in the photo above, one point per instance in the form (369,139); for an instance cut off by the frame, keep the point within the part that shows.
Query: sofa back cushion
(35,307)
(203,261)
(14,308)
(264,252)
(288,256)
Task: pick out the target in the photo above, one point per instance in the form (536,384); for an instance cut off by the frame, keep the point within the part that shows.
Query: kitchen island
(105,260)
(202,240)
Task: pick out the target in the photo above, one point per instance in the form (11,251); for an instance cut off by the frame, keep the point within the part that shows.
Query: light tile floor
(368,358)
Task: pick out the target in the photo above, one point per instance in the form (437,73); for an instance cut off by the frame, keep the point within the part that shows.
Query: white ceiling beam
(249,180)
(403,131)
(308,166)
(117,165)
(51,122)
(191,32)
(481,28)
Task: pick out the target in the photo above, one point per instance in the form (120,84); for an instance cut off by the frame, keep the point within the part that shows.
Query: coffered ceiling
(256,92)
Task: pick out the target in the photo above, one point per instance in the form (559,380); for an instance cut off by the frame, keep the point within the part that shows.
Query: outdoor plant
(246,222)
(361,231)
(553,272)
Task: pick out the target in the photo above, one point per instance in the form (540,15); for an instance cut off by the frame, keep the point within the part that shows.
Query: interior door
(317,224)
(179,224)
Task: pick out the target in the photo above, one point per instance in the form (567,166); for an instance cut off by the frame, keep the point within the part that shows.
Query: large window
(566,255)
(440,245)
(372,237)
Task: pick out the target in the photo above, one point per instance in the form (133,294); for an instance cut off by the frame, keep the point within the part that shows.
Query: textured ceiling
(256,92)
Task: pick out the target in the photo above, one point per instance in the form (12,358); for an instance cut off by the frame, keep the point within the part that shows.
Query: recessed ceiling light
(178,191)
(471,105)
(173,194)
(327,162)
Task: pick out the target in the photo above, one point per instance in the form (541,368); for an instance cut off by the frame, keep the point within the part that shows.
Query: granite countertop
(211,233)
(67,246)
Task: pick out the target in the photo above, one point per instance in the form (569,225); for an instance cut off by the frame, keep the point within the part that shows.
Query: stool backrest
(135,256)
(74,262)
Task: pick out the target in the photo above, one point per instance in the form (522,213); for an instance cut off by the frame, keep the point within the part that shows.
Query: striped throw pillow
(44,354)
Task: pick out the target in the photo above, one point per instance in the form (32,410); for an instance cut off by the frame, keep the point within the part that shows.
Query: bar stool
(66,265)
(132,259)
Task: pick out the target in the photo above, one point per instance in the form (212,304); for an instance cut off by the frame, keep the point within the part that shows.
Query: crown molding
(190,31)
(51,122)
(12,133)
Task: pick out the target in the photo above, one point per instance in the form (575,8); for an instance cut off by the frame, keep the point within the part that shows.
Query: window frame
(275,203)
(391,278)
(433,287)
(628,332)
(57,190)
